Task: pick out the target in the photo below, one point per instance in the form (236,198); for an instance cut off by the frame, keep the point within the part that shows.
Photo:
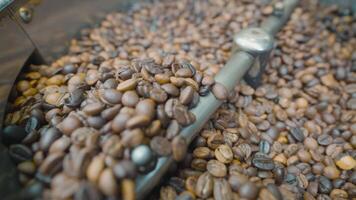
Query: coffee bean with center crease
(13,134)
(75,98)
(183,116)
(297,134)
(158,95)
(222,189)
(93,108)
(19,153)
(69,124)
(248,190)
(216,168)
(75,165)
(186,96)
(111,96)
(325,185)
(324,139)
(32,123)
(161,146)
(52,164)
(179,148)
(170,89)
(204,186)
(262,161)
(173,129)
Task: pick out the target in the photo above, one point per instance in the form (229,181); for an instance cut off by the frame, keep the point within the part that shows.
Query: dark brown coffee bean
(119,122)
(113,147)
(20,153)
(173,129)
(110,113)
(204,186)
(130,99)
(13,134)
(297,134)
(161,146)
(96,122)
(179,148)
(183,116)
(186,96)
(262,161)
(220,92)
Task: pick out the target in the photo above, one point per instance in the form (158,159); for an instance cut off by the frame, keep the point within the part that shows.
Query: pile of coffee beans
(294,137)
(71,126)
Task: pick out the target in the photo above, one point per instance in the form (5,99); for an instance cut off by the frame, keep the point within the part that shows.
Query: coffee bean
(173,129)
(111,96)
(49,137)
(146,107)
(216,168)
(170,89)
(248,190)
(220,92)
(262,161)
(19,153)
(237,180)
(264,147)
(87,191)
(127,85)
(125,169)
(184,72)
(297,134)
(186,96)
(224,154)
(204,186)
(132,138)
(325,185)
(161,146)
(107,183)
(52,164)
(75,165)
(179,148)
(130,99)
(69,124)
(137,121)
(75,98)
(93,109)
(60,145)
(324,139)
(95,168)
(96,122)
(222,189)
(183,116)
(13,134)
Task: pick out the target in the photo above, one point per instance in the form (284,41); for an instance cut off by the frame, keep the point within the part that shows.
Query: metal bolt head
(26,14)
(254,41)
(142,155)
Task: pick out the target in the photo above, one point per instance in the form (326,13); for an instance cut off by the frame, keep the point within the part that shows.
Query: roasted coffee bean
(60,145)
(49,137)
(127,85)
(19,153)
(224,154)
(125,169)
(248,190)
(96,122)
(96,166)
(87,191)
(204,186)
(130,99)
(69,124)
(186,96)
(52,164)
(325,185)
(132,138)
(324,139)
(107,183)
(222,189)
(179,148)
(237,180)
(93,109)
(297,134)
(170,89)
(111,96)
(75,165)
(279,174)
(13,134)
(262,161)
(264,147)
(161,146)
(75,98)
(173,129)
(138,121)
(216,168)
(158,95)
(146,107)
(220,92)
(183,116)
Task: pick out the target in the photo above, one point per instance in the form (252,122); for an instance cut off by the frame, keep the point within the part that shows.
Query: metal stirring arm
(252,48)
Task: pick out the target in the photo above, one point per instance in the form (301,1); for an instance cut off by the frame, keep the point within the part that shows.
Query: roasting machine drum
(33,32)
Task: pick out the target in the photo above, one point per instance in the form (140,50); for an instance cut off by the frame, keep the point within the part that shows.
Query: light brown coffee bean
(52,164)
(95,168)
(69,124)
(179,148)
(93,109)
(216,168)
(204,186)
(222,189)
(107,183)
(146,107)
(220,92)
(126,85)
(138,121)
(170,89)
(130,99)
(161,146)
(128,189)
(224,154)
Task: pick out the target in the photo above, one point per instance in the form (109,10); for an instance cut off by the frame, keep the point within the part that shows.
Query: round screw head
(142,155)
(254,40)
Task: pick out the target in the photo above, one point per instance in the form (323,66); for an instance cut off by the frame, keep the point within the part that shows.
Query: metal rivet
(142,155)
(26,14)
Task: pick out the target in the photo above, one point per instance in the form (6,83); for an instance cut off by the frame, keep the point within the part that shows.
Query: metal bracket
(258,43)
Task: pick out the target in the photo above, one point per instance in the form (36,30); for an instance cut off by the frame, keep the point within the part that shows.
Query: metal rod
(229,76)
